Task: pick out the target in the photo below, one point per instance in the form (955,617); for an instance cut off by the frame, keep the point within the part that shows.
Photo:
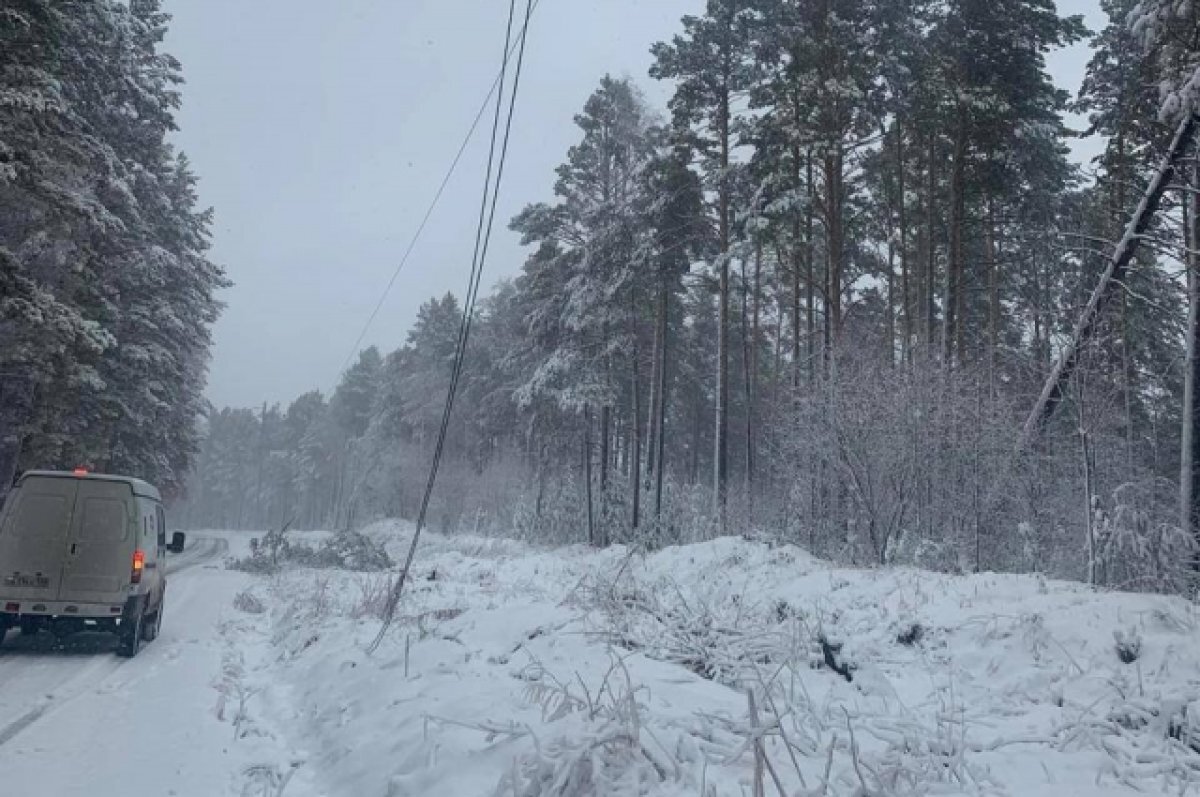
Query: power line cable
(412,244)
(482,240)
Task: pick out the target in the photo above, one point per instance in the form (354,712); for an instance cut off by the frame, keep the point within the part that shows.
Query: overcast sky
(320,132)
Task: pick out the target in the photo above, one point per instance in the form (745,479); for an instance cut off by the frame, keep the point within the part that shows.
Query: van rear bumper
(11,610)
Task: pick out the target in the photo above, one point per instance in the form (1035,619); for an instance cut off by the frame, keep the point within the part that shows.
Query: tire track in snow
(99,670)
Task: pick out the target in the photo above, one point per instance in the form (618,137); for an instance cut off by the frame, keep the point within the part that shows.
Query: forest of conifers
(106,291)
(816,299)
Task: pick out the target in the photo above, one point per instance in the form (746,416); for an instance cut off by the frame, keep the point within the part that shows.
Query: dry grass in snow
(729,668)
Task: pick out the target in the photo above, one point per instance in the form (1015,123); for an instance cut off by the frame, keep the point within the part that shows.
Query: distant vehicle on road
(82,551)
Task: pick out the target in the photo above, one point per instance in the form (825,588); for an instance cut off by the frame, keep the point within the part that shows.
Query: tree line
(106,292)
(815,299)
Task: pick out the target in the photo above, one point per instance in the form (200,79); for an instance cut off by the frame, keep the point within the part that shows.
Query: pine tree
(711,62)
(587,246)
(103,241)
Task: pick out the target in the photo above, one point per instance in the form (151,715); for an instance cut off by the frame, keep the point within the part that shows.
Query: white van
(82,551)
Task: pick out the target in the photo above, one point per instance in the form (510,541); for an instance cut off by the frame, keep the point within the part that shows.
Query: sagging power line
(483,235)
(437,197)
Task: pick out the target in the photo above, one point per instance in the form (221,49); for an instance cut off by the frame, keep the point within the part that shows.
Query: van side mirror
(177,540)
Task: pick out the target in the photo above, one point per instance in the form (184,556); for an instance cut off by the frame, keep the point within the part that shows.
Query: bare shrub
(372,599)
(1141,546)
(246,601)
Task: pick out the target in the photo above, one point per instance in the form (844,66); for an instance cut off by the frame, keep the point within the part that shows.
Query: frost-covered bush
(1140,545)
(257,562)
(552,513)
(346,550)
(351,550)
(246,601)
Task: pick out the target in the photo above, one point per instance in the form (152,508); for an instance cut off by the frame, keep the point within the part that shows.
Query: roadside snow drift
(718,669)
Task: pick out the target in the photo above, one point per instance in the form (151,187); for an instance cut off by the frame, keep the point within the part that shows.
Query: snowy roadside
(517,671)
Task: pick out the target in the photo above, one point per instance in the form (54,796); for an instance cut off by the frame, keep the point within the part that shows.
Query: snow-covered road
(75,719)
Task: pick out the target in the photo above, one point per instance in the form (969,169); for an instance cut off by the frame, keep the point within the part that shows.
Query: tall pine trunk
(1189,477)
(810,299)
(929,311)
(635,462)
(833,250)
(750,320)
(587,473)
(889,326)
(993,272)
(952,296)
(721,444)
(660,411)
(797,259)
(905,297)
(605,453)
(656,364)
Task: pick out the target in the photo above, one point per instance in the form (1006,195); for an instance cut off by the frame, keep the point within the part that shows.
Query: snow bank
(519,671)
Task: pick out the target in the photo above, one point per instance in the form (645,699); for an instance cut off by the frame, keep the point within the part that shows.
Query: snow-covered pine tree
(112,296)
(711,62)
(53,172)
(589,326)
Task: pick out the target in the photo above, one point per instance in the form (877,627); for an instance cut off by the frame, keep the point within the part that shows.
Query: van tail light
(139,564)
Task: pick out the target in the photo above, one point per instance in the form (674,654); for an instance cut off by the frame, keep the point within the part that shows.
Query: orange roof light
(80,471)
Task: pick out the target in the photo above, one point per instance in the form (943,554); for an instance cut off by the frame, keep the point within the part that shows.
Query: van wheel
(129,640)
(153,623)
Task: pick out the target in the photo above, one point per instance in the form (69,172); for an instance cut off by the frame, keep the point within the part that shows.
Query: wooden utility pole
(1110,282)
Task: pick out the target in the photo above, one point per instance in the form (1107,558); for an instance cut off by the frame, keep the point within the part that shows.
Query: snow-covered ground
(698,670)
(517,671)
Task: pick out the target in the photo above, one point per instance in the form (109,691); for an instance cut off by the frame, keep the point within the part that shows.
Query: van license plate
(21,580)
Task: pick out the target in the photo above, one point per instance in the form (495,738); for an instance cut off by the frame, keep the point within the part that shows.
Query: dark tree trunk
(652,427)
(1190,469)
(660,411)
(635,460)
(587,472)
(605,453)
(952,299)
(797,259)
(833,251)
(993,272)
(721,454)
(810,314)
(905,293)
(930,311)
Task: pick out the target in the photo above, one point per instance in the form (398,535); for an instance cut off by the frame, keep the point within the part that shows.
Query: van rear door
(33,538)
(100,543)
